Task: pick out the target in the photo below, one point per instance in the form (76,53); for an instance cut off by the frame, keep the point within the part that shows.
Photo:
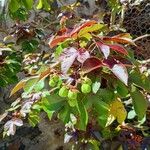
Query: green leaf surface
(28,3)
(139,102)
(64,114)
(140,80)
(40,4)
(39,86)
(102,110)
(83,119)
(13,5)
(30,84)
(122,90)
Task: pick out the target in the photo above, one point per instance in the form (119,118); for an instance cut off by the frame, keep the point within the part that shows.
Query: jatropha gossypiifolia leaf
(88,76)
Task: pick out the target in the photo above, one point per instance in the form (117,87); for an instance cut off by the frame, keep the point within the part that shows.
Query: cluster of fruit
(68,92)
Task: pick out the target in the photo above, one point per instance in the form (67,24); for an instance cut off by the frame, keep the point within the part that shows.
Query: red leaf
(120,72)
(91,64)
(86,24)
(118,69)
(83,56)
(56,40)
(10,126)
(118,48)
(67,58)
(123,35)
(104,48)
(122,40)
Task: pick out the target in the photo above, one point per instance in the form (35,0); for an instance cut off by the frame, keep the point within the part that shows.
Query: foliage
(87,80)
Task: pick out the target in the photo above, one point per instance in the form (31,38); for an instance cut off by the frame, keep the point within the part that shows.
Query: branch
(145,61)
(141,37)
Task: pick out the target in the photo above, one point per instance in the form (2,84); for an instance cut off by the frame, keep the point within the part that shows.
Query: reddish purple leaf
(82,55)
(118,69)
(26,108)
(104,48)
(67,58)
(58,39)
(86,24)
(118,48)
(91,64)
(122,40)
(10,126)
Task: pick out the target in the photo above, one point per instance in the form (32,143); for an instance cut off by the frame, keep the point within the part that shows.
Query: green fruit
(63,92)
(85,88)
(52,83)
(72,95)
(88,81)
(55,78)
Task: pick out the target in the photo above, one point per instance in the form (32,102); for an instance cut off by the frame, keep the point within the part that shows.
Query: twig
(145,61)
(141,37)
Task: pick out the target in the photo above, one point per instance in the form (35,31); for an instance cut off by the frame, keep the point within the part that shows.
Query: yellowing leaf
(118,111)
(92,28)
(19,86)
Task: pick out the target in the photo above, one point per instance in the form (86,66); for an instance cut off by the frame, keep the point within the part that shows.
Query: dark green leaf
(122,90)
(139,102)
(39,85)
(28,3)
(140,80)
(13,5)
(30,84)
(64,114)
(83,119)
(102,110)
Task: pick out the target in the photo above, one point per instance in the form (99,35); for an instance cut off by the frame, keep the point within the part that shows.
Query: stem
(141,37)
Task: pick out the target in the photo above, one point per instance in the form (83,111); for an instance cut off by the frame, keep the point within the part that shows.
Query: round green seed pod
(55,78)
(88,81)
(72,94)
(63,92)
(85,88)
(52,83)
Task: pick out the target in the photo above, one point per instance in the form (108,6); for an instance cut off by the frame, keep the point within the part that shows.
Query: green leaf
(140,80)
(95,87)
(83,119)
(58,50)
(30,84)
(64,114)
(39,86)
(14,5)
(28,3)
(122,90)
(43,4)
(52,103)
(106,95)
(33,118)
(40,4)
(92,28)
(139,102)
(30,46)
(102,110)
